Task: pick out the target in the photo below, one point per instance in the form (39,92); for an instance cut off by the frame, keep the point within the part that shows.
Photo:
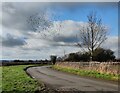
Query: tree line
(99,54)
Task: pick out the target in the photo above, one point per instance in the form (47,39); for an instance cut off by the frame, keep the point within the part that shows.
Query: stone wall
(103,67)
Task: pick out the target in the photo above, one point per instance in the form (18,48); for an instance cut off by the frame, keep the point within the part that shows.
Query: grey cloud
(29,49)
(15,15)
(64,44)
(66,39)
(12,41)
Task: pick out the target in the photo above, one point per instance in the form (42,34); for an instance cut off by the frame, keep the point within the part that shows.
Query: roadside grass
(87,73)
(15,80)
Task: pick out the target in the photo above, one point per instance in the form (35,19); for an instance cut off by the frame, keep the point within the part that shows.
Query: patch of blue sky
(108,12)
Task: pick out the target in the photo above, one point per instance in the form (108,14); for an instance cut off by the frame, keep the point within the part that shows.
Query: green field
(15,80)
(87,73)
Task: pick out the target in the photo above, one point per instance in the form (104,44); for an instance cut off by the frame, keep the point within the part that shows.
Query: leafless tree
(93,34)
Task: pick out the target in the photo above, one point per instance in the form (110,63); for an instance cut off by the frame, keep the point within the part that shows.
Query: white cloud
(112,43)
(65,29)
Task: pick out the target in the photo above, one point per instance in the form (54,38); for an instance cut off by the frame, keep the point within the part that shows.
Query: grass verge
(15,80)
(88,73)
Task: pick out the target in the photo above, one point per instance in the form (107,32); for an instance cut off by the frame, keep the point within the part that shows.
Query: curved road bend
(63,81)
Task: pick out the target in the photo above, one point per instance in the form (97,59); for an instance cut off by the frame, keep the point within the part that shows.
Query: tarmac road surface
(61,81)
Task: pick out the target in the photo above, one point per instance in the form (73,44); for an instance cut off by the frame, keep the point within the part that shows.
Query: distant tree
(59,59)
(16,61)
(53,59)
(73,57)
(93,34)
(101,54)
(85,56)
(117,60)
(30,60)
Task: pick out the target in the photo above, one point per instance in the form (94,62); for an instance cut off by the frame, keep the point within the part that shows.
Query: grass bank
(15,80)
(87,73)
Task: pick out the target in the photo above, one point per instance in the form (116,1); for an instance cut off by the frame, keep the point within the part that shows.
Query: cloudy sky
(32,30)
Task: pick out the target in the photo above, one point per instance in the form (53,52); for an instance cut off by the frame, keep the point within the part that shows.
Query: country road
(68,82)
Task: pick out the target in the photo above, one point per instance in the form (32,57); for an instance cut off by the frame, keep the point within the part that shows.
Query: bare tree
(93,34)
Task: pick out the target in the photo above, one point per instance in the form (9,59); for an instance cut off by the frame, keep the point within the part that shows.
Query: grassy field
(87,73)
(15,80)
(0,79)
